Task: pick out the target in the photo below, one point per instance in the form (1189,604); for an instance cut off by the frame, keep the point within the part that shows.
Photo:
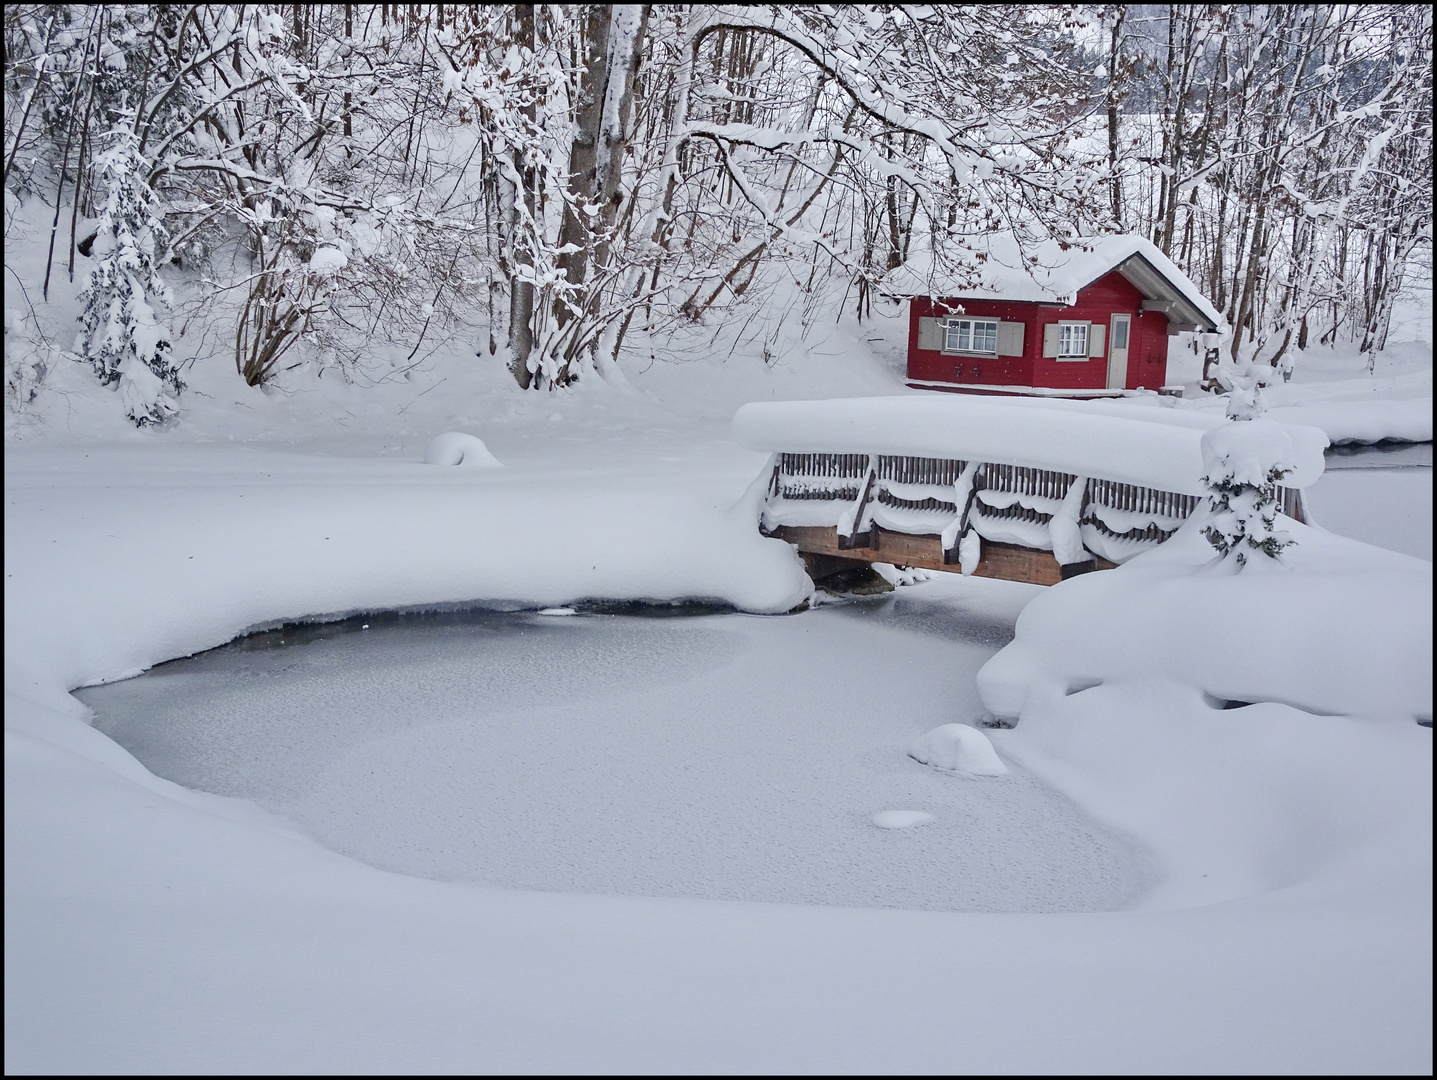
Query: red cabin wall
(929,366)
(1109,295)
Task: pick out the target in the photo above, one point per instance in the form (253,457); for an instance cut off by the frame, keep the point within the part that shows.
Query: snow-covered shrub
(25,364)
(120,336)
(1244,461)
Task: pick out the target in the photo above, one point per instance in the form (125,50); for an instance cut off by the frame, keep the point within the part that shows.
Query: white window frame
(1073,341)
(965,334)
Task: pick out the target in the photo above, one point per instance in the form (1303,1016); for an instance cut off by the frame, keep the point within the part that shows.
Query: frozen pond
(723,756)
(716,756)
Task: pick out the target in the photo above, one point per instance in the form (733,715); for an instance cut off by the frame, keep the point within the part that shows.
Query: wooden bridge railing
(986,518)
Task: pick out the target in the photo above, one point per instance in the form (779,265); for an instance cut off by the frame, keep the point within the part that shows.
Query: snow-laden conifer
(1244,461)
(120,335)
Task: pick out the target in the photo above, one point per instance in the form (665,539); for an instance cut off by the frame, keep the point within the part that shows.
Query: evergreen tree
(120,335)
(1245,461)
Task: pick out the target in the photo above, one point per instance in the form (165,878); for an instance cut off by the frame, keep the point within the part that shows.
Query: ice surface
(724,757)
(1389,507)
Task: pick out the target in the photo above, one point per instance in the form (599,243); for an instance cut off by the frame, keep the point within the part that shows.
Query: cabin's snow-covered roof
(1133,444)
(994,267)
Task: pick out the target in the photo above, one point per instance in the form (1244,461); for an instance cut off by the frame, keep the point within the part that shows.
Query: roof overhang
(1160,294)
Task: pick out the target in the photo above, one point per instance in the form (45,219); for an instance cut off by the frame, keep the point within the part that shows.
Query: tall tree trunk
(521,286)
(1113,100)
(574,230)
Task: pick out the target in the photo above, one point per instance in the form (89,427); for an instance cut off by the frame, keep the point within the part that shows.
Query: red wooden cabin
(1093,316)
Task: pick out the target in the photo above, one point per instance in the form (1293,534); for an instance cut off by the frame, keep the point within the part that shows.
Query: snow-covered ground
(1281,860)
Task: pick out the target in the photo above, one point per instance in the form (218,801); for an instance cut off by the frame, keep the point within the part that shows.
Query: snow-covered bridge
(1024,490)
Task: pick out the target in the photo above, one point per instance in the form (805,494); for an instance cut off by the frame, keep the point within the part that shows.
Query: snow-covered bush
(25,364)
(1244,461)
(120,336)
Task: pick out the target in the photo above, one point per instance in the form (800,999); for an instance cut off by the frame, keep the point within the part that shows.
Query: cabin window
(971,335)
(1072,341)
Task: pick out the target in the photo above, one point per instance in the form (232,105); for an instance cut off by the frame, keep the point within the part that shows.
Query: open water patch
(718,756)
(1387,454)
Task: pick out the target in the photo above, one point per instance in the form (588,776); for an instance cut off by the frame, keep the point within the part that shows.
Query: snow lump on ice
(958,748)
(459,448)
(901,819)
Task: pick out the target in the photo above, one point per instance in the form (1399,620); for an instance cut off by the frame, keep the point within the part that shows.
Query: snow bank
(1255,728)
(1150,447)
(216,541)
(1261,801)
(1336,628)
(1363,421)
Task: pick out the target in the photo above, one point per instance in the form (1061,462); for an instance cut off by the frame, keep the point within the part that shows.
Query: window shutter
(1010,338)
(930,334)
(1050,339)
(1096,334)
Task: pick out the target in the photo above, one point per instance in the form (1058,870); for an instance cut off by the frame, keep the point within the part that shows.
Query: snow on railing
(945,478)
(1075,517)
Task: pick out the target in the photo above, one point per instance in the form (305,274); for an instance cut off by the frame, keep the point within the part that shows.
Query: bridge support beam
(1009,562)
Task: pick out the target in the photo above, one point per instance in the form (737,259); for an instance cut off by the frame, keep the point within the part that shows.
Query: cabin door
(1118,351)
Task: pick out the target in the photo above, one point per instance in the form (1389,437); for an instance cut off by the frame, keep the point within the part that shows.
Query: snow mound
(457,448)
(1339,628)
(958,748)
(901,575)
(901,819)
(1363,421)
(1256,729)
(1247,451)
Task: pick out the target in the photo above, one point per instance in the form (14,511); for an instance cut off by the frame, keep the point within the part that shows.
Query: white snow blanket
(1150,447)
(364,535)
(152,928)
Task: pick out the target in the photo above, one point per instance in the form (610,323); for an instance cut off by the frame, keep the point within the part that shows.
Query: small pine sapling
(1245,460)
(120,337)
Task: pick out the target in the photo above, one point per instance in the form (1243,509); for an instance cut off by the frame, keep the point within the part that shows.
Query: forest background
(320,185)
